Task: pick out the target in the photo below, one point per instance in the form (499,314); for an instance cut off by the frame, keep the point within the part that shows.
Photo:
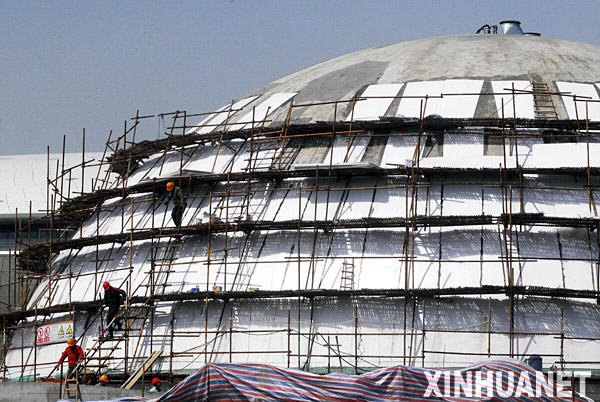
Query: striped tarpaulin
(124,399)
(490,380)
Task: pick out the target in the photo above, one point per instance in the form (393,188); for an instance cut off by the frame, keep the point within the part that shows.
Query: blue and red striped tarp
(490,380)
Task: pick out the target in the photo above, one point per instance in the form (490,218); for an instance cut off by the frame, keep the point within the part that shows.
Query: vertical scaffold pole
(299,265)
(355,339)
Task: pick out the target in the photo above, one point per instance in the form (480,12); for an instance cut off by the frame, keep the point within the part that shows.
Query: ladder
(285,155)
(347,278)
(95,352)
(135,318)
(66,391)
(542,102)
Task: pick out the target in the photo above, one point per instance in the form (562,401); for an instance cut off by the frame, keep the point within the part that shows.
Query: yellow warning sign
(61,331)
(69,329)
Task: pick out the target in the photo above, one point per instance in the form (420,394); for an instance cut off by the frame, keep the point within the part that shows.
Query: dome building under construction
(428,203)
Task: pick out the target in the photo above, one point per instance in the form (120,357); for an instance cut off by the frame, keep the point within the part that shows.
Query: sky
(66,66)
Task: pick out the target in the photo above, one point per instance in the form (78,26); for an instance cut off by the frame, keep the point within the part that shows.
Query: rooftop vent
(510,27)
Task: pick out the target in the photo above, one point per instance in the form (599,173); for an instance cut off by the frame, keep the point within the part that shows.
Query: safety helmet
(155,381)
(71,342)
(170,186)
(103,378)
(106,285)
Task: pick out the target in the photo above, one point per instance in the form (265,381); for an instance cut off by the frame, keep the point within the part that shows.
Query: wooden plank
(143,368)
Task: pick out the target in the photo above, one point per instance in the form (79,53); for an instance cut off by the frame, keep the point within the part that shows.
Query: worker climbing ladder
(132,315)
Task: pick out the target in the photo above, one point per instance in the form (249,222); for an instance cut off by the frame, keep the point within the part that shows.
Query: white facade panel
(460,98)
(373,107)
(263,110)
(358,202)
(214,120)
(213,159)
(463,150)
(576,109)
(347,149)
(460,101)
(398,149)
(523,102)
(203,125)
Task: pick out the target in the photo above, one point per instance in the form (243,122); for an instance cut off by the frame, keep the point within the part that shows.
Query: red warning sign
(55,332)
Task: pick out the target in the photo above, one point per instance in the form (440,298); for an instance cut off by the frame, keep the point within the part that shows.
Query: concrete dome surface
(489,57)
(455,64)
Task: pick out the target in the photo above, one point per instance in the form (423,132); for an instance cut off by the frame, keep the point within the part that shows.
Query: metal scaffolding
(271,149)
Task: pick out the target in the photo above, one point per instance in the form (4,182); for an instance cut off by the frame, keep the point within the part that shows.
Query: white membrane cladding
(577,109)
(143,170)
(215,119)
(457,150)
(199,159)
(263,110)
(168,167)
(570,154)
(467,151)
(450,98)
(214,159)
(523,102)
(263,324)
(378,99)
(253,262)
(462,149)
(279,202)
(267,260)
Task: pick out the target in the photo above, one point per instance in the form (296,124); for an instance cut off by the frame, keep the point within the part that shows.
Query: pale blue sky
(68,65)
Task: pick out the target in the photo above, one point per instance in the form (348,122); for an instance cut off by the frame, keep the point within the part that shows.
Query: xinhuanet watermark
(503,384)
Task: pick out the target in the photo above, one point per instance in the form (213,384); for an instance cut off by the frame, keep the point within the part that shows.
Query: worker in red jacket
(113,299)
(75,355)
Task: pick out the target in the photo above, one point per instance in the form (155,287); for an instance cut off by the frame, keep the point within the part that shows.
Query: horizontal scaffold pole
(81,207)
(132,155)
(14,317)
(35,258)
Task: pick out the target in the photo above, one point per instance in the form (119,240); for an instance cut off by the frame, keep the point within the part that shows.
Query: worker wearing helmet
(113,299)
(102,381)
(175,194)
(74,354)
(155,385)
